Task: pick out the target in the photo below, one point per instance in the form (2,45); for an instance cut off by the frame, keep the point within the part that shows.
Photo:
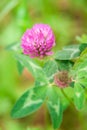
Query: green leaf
(14,47)
(36,70)
(20,67)
(50,68)
(82,46)
(55,107)
(79,96)
(82,39)
(80,66)
(29,102)
(83,81)
(68,53)
(69,92)
(64,64)
(81,69)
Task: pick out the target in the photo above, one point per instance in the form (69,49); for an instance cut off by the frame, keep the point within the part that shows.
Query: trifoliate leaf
(29,102)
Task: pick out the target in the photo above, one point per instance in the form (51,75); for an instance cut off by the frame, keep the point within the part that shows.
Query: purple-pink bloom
(38,41)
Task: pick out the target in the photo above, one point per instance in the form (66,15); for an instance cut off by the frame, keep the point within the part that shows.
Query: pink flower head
(38,41)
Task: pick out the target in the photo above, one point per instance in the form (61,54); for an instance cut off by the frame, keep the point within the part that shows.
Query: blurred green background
(68,19)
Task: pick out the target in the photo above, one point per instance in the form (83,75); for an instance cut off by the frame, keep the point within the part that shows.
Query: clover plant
(60,77)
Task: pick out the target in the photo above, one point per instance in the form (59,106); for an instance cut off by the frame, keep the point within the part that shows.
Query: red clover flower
(38,41)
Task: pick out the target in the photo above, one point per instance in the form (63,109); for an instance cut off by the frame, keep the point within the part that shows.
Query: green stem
(67,98)
(46,117)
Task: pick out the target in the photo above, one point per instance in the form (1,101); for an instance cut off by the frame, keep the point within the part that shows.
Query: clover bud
(62,79)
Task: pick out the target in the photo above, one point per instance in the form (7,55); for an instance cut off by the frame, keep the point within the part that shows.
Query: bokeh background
(68,19)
